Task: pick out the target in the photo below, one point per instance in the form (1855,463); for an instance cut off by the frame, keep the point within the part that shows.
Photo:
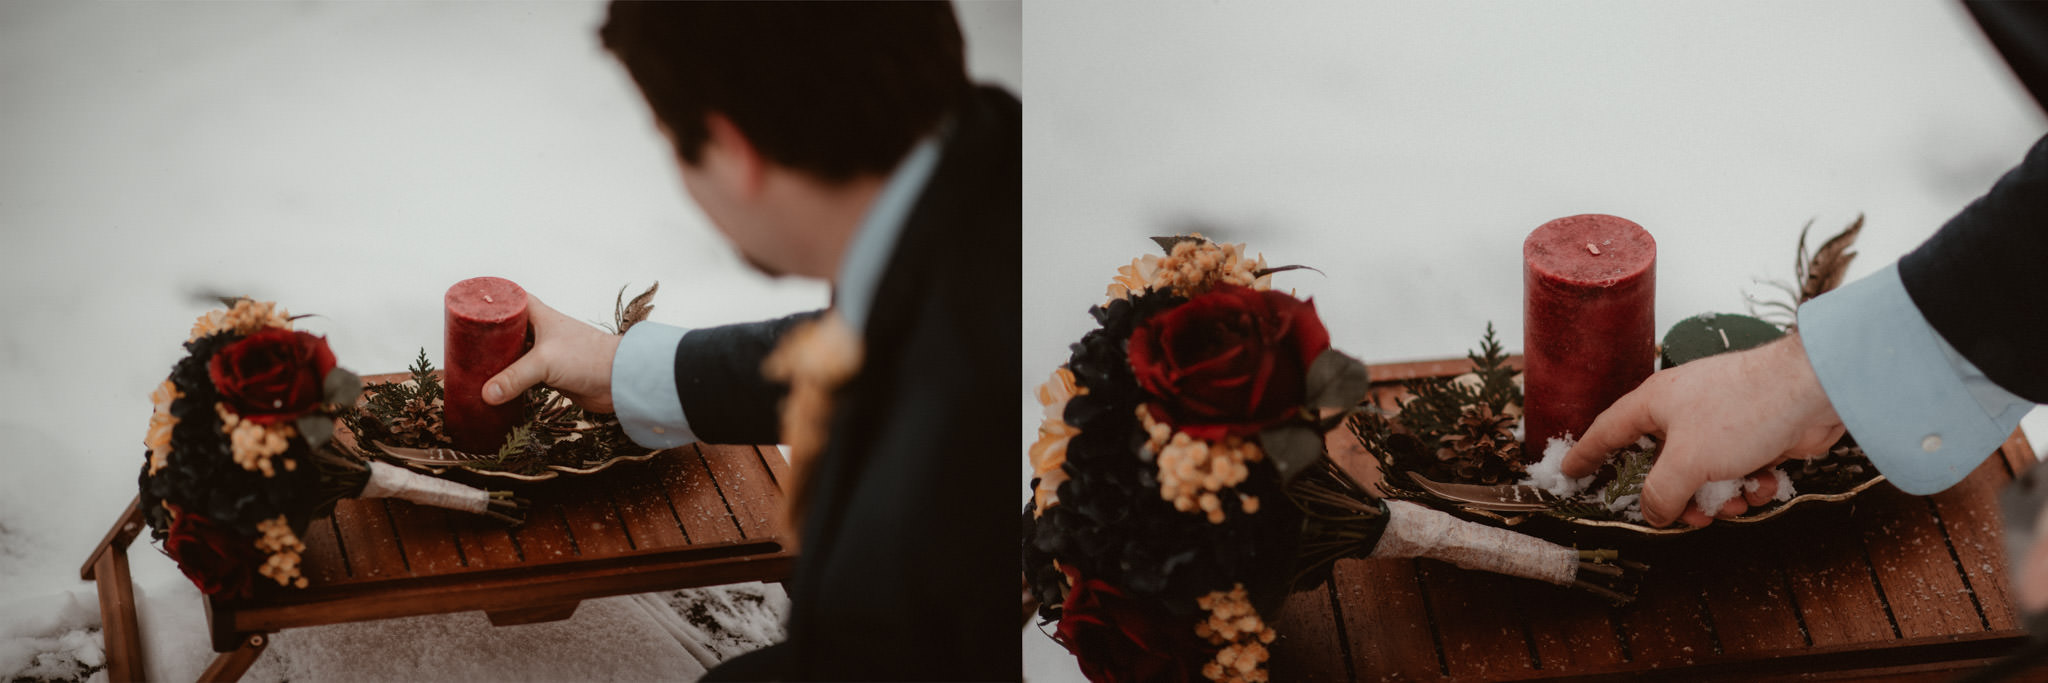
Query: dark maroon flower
(273,375)
(1230,362)
(214,557)
(1116,638)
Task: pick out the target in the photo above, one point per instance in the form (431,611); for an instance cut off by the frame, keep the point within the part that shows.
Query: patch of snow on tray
(1547,475)
(1785,489)
(1712,495)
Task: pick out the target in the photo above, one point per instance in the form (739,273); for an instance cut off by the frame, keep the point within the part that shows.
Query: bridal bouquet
(240,457)
(1182,489)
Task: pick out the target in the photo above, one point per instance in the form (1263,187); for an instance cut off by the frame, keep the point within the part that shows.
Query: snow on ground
(349,160)
(1406,148)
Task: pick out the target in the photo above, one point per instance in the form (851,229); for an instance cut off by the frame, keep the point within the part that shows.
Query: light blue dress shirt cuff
(1924,414)
(644,386)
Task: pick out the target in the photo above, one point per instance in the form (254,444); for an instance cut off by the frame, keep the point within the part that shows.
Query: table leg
(120,632)
(229,666)
(117,539)
(107,568)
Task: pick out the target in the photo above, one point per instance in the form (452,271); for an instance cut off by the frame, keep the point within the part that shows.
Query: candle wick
(1591,248)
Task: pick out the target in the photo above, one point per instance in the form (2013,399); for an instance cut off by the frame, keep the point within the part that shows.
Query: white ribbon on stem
(390,481)
(1417,531)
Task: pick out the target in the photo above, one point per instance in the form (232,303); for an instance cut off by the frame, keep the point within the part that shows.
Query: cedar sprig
(555,431)
(1574,508)
(1376,434)
(1413,440)
(1497,379)
(384,405)
(524,452)
(1437,405)
(1631,470)
(1632,467)
(1440,403)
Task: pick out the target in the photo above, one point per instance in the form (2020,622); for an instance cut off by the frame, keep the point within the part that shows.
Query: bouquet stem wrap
(388,481)
(1417,531)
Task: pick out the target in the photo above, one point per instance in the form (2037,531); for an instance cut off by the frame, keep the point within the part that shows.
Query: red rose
(273,375)
(1115,638)
(1230,362)
(214,557)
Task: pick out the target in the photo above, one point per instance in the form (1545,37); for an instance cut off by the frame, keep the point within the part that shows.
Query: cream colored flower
(207,324)
(1193,472)
(284,548)
(1234,625)
(1190,269)
(1134,278)
(256,446)
(1050,452)
(160,425)
(246,316)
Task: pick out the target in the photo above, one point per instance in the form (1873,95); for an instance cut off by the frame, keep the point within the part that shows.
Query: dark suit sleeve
(718,378)
(2020,32)
(1980,280)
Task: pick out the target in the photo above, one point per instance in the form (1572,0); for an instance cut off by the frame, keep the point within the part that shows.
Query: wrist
(603,356)
(1812,398)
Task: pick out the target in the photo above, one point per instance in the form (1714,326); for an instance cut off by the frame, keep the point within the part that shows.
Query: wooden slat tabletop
(695,515)
(1884,585)
(673,501)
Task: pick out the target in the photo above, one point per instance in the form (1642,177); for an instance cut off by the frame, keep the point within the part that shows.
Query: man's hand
(1722,417)
(573,357)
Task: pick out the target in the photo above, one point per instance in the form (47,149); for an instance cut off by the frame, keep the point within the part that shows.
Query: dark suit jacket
(908,565)
(1982,281)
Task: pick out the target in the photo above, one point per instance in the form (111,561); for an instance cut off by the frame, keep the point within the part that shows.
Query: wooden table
(692,516)
(1886,586)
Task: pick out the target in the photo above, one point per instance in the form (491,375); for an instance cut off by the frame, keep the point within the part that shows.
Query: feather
(627,314)
(1827,268)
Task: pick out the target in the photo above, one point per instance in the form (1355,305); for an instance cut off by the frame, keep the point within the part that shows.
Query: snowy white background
(349,160)
(1406,148)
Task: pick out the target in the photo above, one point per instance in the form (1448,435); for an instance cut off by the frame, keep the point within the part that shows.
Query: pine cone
(419,422)
(1483,449)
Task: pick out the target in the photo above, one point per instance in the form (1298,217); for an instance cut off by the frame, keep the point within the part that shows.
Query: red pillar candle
(486,332)
(1588,322)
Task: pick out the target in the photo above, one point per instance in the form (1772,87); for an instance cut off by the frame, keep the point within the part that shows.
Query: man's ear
(729,155)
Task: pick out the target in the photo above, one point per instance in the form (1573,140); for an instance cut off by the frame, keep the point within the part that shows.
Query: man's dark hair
(837,89)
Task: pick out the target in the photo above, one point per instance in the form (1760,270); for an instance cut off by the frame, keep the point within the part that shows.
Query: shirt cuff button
(1931,444)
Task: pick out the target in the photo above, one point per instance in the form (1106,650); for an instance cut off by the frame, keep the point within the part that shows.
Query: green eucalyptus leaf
(317,429)
(1292,447)
(1709,334)
(341,387)
(1336,380)
(1334,420)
